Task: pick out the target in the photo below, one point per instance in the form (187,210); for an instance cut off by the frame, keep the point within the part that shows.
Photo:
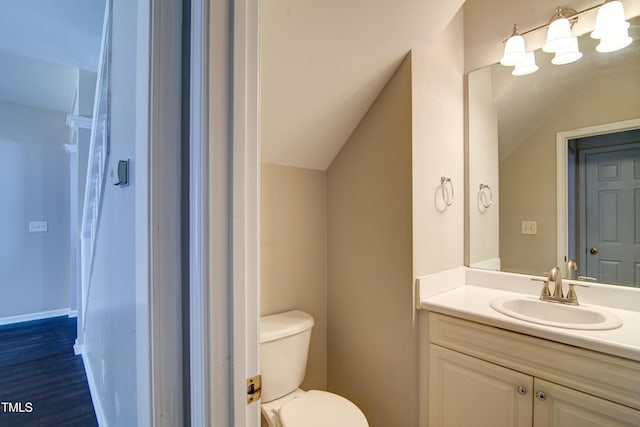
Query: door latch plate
(254,388)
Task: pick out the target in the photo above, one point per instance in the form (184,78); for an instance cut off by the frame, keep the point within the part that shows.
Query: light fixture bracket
(565,12)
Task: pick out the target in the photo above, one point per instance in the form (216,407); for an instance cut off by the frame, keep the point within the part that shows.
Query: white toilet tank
(284,346)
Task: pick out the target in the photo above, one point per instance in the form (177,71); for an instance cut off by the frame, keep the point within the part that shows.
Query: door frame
(224,216)
(562,192)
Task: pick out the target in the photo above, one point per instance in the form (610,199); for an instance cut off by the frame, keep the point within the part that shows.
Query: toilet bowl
(284,345)
(313,408)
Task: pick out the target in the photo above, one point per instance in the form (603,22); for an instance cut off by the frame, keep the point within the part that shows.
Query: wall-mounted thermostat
(120,173)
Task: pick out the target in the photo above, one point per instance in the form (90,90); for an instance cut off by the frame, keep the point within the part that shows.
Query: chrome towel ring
(485,195)
(446,197)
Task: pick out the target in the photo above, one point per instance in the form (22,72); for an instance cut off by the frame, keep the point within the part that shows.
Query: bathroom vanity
(489,369)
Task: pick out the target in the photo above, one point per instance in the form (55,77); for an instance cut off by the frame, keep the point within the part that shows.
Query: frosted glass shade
(514,51)
(527,66)
(558,35)
(609,20)
(569,54)
(614,40)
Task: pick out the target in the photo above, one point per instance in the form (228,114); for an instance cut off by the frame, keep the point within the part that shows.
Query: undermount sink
(534,310)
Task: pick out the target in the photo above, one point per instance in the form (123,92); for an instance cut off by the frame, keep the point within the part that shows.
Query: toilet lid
(317,408)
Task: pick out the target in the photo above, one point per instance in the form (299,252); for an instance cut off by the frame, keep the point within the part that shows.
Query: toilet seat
(317,408)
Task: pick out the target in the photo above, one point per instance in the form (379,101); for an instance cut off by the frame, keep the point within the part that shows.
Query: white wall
(438,150)
(34,172)
(110,314)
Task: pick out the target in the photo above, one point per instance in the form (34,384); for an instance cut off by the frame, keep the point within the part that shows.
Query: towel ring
(446,197)
(485,195)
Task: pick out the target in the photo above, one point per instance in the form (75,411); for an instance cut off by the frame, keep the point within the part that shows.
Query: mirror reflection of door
(608,209)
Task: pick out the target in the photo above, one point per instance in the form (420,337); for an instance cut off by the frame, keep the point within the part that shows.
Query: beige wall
(353,268)
(293,223)
(438,150)
(528,175)
(372,341)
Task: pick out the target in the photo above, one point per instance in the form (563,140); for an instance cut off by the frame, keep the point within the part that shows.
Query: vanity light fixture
(528,66)
(514,50)
(559,32)
(611,28)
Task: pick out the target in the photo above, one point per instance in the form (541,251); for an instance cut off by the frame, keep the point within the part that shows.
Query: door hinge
(254,388)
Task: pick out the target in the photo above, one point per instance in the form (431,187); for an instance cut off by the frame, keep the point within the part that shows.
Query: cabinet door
(465,391)
(558,406)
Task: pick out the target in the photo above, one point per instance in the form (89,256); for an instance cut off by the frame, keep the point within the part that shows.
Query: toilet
(284,346)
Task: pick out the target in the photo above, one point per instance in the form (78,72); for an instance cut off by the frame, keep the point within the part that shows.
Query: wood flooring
(42,382)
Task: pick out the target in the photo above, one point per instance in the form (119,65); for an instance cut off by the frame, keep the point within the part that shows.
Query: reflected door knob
(593,251)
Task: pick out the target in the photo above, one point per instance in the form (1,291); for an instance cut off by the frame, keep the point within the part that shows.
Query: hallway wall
(34,174)
(111,334)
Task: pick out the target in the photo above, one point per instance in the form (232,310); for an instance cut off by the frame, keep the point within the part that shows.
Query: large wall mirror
(554,165)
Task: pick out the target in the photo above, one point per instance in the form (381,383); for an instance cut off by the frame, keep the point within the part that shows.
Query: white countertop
(471,302)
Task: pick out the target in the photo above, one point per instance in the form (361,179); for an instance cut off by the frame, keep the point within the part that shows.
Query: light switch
(38,226)
(529,227)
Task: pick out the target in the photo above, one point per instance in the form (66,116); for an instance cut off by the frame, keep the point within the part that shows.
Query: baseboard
(93,388)
(73,313)
(78,349)
(34,316)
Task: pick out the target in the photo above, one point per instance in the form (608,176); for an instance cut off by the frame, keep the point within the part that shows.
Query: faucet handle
(545,288)
(572,297)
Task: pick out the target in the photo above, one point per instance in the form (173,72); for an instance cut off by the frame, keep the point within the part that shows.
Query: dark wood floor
(39,371)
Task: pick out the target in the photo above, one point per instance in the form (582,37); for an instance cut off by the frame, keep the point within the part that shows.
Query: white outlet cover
(38,226)
(529,227)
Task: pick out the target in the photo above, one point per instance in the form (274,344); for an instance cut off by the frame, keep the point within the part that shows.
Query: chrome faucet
(571,267)
(555,276)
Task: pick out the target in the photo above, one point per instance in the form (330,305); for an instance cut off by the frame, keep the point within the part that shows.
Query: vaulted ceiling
(42,44)
(324,62)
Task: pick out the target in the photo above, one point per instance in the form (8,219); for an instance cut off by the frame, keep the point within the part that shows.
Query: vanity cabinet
(467,391)
(485,376)
(558,406)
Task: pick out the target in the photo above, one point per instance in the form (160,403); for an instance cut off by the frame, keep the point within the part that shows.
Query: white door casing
(224,218)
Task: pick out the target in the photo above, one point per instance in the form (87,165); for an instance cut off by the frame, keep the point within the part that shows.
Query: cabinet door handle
(521,389)
(541,395)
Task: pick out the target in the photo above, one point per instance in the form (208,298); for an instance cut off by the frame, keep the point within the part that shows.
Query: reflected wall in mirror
(522,136)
